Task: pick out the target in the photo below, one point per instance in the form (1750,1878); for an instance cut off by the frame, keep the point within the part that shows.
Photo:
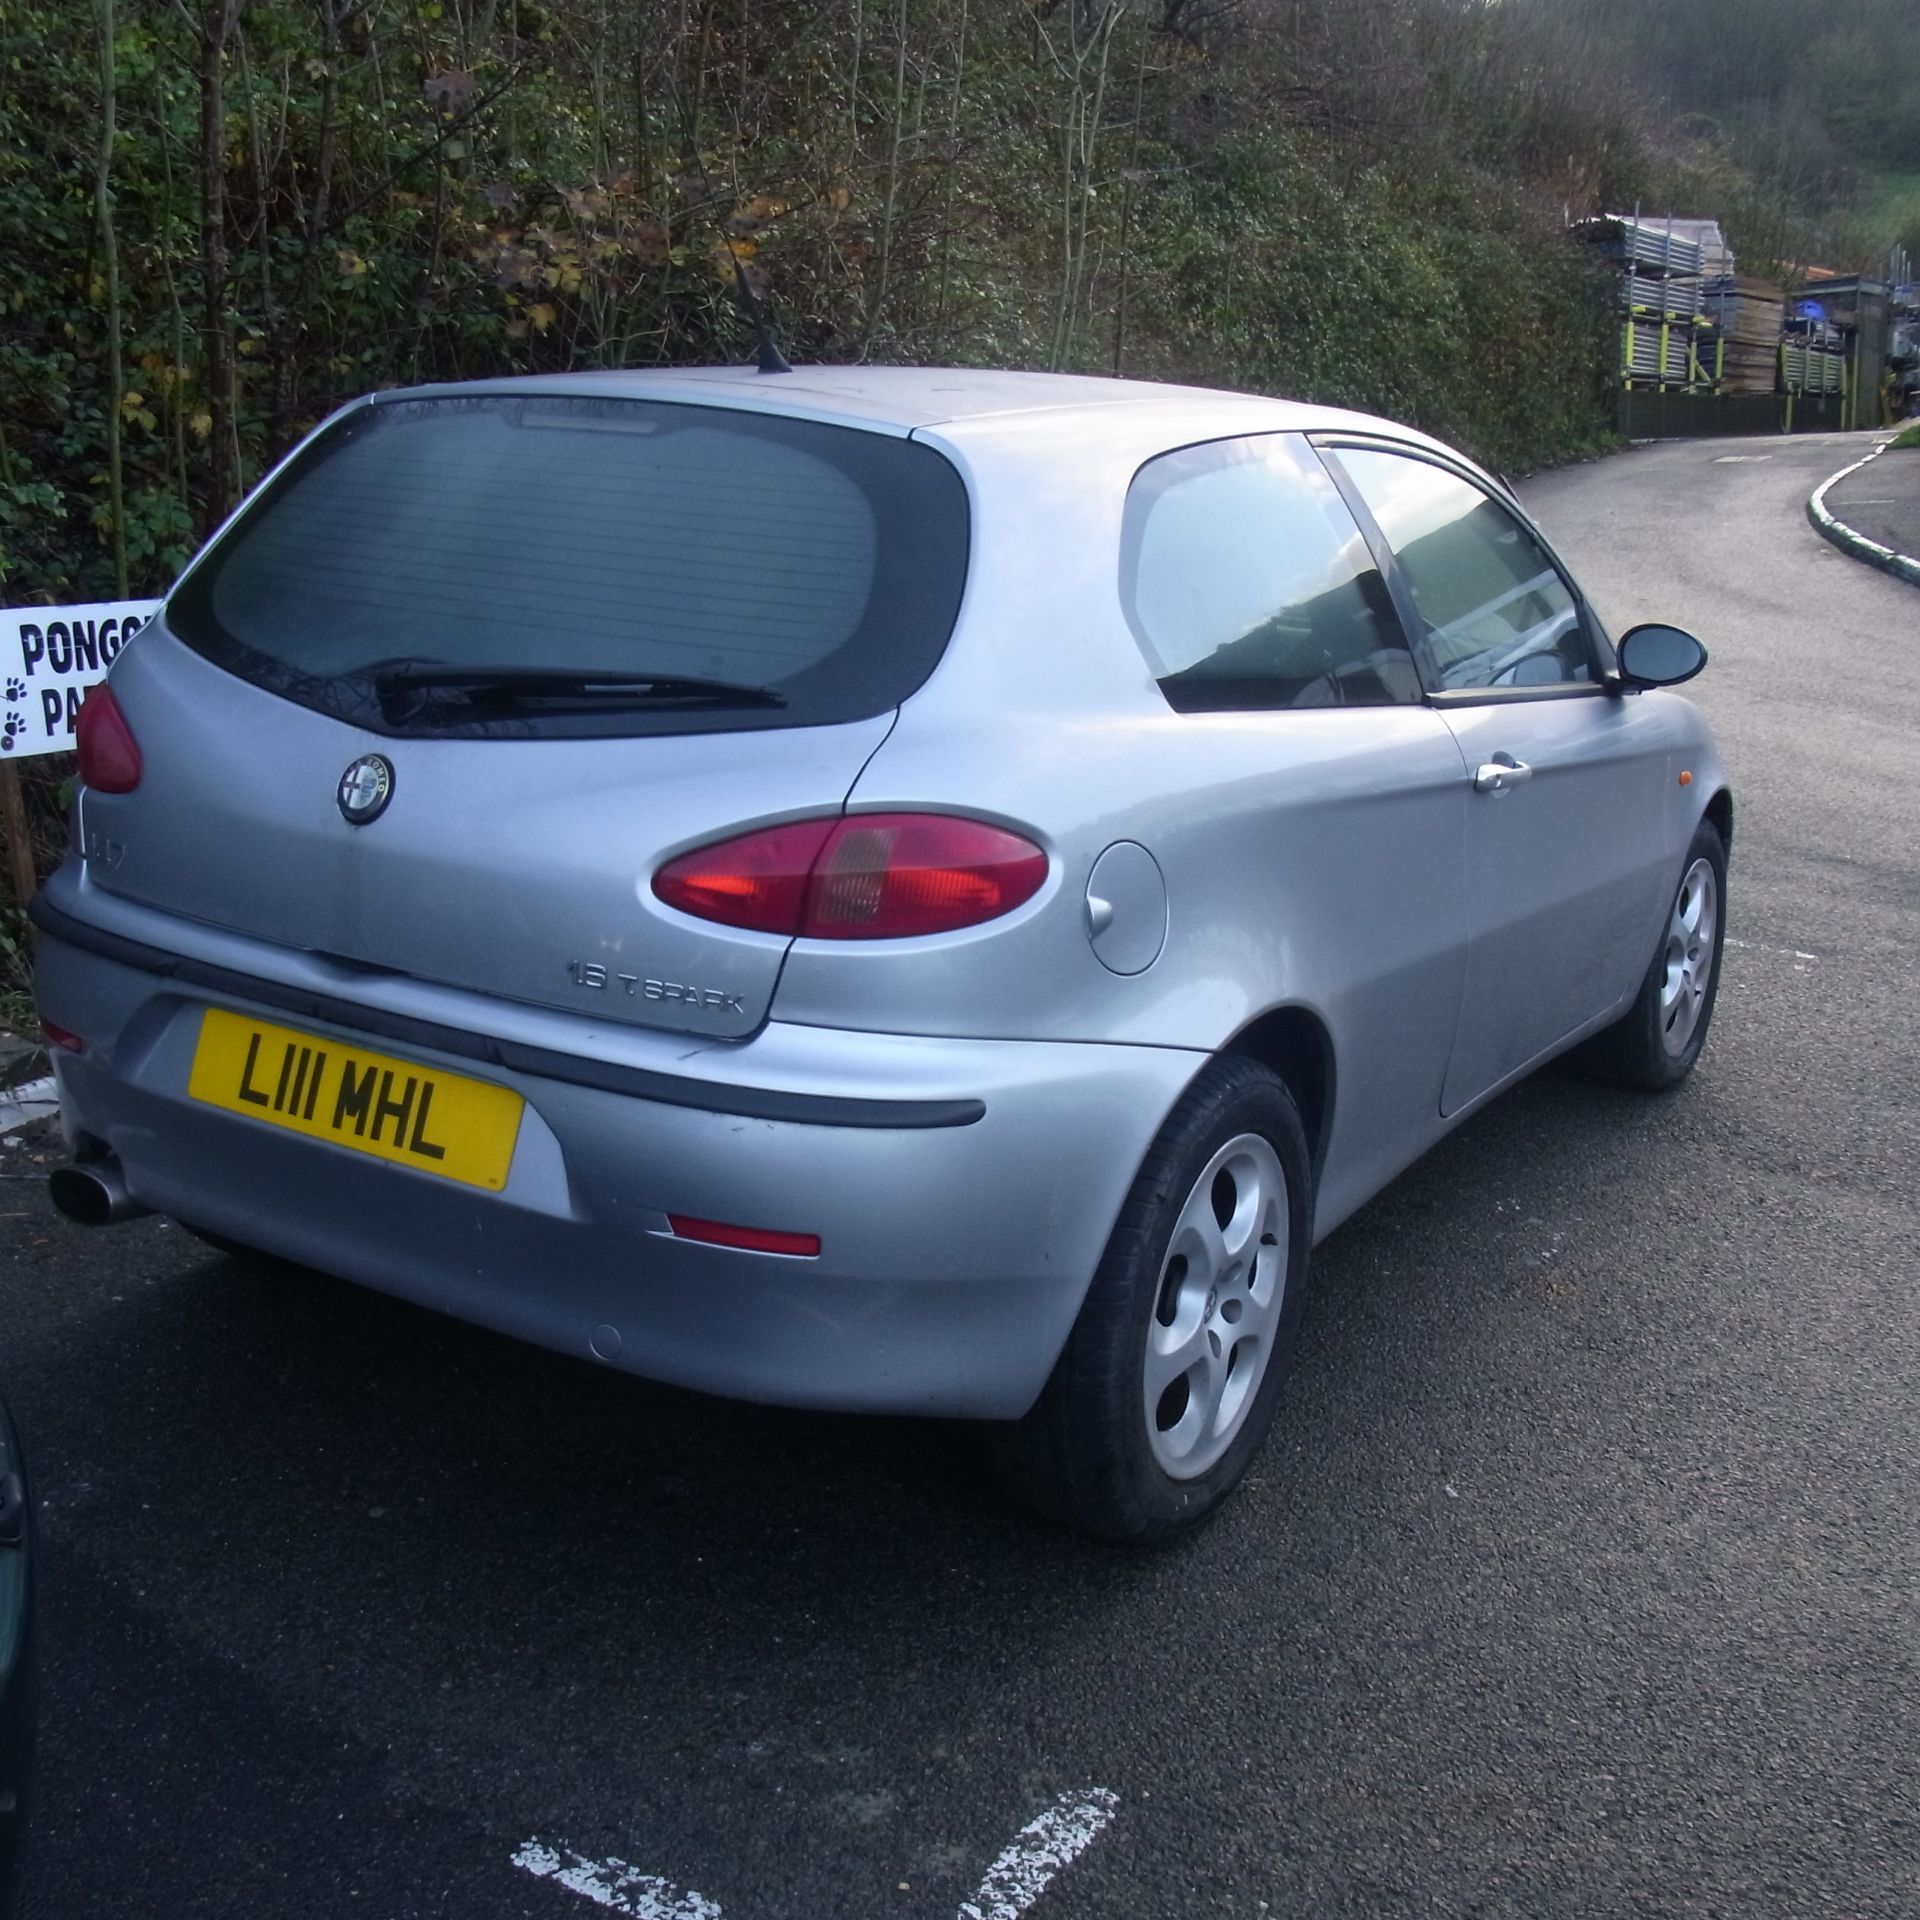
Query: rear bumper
(962,1190)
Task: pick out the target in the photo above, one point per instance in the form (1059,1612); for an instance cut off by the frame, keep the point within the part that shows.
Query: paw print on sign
(16,689)
(11,731)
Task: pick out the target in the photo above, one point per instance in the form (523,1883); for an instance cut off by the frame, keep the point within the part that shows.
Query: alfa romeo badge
(365,788)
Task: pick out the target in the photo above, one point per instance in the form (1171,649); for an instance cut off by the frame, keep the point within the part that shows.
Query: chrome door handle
(1500,773)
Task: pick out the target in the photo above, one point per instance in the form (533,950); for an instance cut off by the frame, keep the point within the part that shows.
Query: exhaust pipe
(93,1192)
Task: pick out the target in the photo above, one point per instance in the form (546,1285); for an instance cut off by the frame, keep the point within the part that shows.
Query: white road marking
(614,1884)
(1785,953)
(21,1106)
(1739,459)
(1052,1840)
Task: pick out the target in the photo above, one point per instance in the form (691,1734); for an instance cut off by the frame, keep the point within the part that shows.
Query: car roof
(901,399)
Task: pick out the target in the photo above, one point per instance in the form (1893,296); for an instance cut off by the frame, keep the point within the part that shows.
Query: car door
(1560,873)
(1321,863)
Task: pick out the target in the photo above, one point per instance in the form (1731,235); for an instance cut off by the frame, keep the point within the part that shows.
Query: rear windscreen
(587,535)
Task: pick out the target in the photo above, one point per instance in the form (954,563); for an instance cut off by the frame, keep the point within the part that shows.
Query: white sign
(49,657)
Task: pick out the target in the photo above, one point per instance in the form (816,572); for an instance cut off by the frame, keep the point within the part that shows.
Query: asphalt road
(1582,1579)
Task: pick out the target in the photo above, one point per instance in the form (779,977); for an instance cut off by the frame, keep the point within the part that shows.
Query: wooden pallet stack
(1747,315)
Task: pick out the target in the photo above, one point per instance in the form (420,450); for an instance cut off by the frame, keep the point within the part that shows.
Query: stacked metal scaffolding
(1661,291)
(1656,248)
(1813,352)
(1653,355)
(1842,350)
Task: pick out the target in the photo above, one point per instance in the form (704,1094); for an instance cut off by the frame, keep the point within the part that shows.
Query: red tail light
(758,881)
(109,755)
(869,876)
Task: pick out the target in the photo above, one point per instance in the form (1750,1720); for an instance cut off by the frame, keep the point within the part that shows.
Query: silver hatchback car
(909,890)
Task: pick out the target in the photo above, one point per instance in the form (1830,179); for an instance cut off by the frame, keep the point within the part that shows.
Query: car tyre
(1177,1362)
(1653,1047)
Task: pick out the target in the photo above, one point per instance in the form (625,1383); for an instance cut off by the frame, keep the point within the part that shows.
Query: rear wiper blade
(568,683)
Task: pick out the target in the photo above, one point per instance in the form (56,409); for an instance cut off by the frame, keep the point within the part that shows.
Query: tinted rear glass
(601,536)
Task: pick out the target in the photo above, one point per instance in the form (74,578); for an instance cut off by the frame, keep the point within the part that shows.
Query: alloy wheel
(1692,940)
(1217,1307)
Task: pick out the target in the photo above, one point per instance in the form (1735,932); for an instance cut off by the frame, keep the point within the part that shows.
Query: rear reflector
(60,1037)
(866,876)
(109,756)
(715,1233)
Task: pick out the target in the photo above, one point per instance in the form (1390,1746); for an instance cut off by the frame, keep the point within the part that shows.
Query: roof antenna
(771,359)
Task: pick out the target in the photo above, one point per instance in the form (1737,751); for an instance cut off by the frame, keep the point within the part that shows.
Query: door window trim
(1604,662)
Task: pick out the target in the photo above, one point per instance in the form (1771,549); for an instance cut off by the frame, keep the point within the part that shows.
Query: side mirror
(1657,656)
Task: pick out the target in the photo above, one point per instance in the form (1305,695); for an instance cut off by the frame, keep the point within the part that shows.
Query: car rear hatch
(463,676)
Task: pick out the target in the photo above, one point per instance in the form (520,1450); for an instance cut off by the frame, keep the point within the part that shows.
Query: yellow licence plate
(441,1123)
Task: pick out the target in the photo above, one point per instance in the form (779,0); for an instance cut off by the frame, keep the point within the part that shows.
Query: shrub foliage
(221,218)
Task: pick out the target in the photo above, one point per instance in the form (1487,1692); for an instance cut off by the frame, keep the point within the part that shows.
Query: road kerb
(1849,539)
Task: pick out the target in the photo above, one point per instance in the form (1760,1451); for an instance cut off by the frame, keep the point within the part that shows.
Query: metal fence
(1650,415)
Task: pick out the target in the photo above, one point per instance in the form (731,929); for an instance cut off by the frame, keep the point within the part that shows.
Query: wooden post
(13,819)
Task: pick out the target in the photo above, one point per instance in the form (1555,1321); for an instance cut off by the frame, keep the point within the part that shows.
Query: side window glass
(1248,585)
(1496,611)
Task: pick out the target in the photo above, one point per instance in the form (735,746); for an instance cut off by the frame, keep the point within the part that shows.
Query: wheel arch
(1294,1044)
(1720,812)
